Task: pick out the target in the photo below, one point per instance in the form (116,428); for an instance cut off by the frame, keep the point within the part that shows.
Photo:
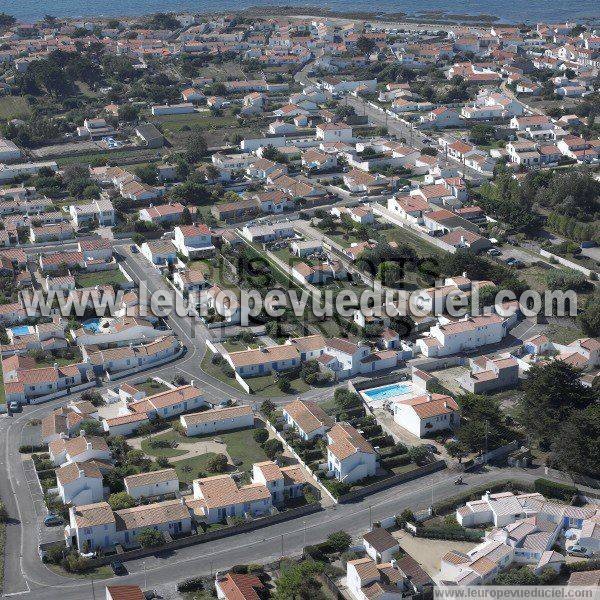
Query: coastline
(429,16)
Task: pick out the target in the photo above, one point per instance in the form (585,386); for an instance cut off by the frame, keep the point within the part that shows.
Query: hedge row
(450,533)
(552,489)
(395,461)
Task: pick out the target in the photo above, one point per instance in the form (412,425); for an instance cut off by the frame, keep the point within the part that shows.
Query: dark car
(118,567)
(51,520)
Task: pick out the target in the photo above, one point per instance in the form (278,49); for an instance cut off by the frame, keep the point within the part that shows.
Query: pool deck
(383,399)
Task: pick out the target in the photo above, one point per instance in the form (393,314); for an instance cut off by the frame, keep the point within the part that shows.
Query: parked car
(51,520)
(577,550)
(134,248)
(15,406)
(118,567)
(494,252)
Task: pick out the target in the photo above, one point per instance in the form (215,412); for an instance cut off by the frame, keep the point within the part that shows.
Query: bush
(73,563)
(260,436)
(406,516)
(28,449)
(336,488)
(121,500)
(217,464)
(194,584)
(55,554)
(272,448)
(339,541)
(150,538)
(555,490)
(450,533)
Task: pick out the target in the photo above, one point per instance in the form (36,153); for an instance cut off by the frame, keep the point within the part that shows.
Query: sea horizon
(504,11)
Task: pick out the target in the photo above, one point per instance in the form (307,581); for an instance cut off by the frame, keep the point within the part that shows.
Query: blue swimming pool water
(20,330)
(92,325)
(388,391)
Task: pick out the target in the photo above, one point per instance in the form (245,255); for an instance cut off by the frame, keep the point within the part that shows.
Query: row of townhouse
(141,410)
(340,357)
(96,526)
(583,353)
(526,528)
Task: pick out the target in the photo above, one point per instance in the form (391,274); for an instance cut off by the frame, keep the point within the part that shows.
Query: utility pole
(282,545)
(93,591)
(370,516)
(145,576)
(304,524)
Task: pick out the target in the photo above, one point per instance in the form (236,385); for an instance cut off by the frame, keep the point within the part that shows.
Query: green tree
(195,147)
(481,134)
(339,541)
(186,217)
(589,316)
(6,20)
(121,500)
(150,538)
(297,582)
(128,113)
(576,446)
(272,448)
(147,173)
(552,392)
(365,45)
(217,464)
(260,435)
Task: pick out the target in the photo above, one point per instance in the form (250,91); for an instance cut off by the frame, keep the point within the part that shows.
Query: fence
(210,536)
(567,263)
(496,453)
(391,481)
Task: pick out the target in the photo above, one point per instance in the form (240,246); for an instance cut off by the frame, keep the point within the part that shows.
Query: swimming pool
(20,330)
(388,391)
(92,325)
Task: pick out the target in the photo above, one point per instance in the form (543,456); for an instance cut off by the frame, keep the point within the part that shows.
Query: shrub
(450,533)
(28,449)
(121,500)
(406,516)
(73,563)
(272,448)
(217,464)
(150,538)
(194,584)
(395,461)
(339,541)
(260,436)
(555,490)
(55,553)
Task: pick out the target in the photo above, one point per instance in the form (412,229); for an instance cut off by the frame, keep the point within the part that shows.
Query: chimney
(88,446)
(56,366)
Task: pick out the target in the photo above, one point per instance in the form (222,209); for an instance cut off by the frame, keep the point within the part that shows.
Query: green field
(114,278)
(267,386)
(188,469)
(14,107)
(215,371)
(204,120)
(243,450)
(152,387)
(150,450)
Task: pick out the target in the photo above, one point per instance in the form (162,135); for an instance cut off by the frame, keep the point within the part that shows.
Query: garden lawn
(148,449)
(402,236)
(14,107)
(267,386)
(215,371)
(241,446)
(205,120)
(100,278)
(152,387)
(188,468)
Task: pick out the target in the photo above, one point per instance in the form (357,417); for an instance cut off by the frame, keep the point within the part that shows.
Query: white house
(79,483)
(308,418)
(219,497)
(153,483)
(467,334)
(159,252)
(334,132)
(95,526)
(380,545)
(79,449)
(218,419)
(350,457)
(426,414)
(193,241)
(284,483)
(249,363)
